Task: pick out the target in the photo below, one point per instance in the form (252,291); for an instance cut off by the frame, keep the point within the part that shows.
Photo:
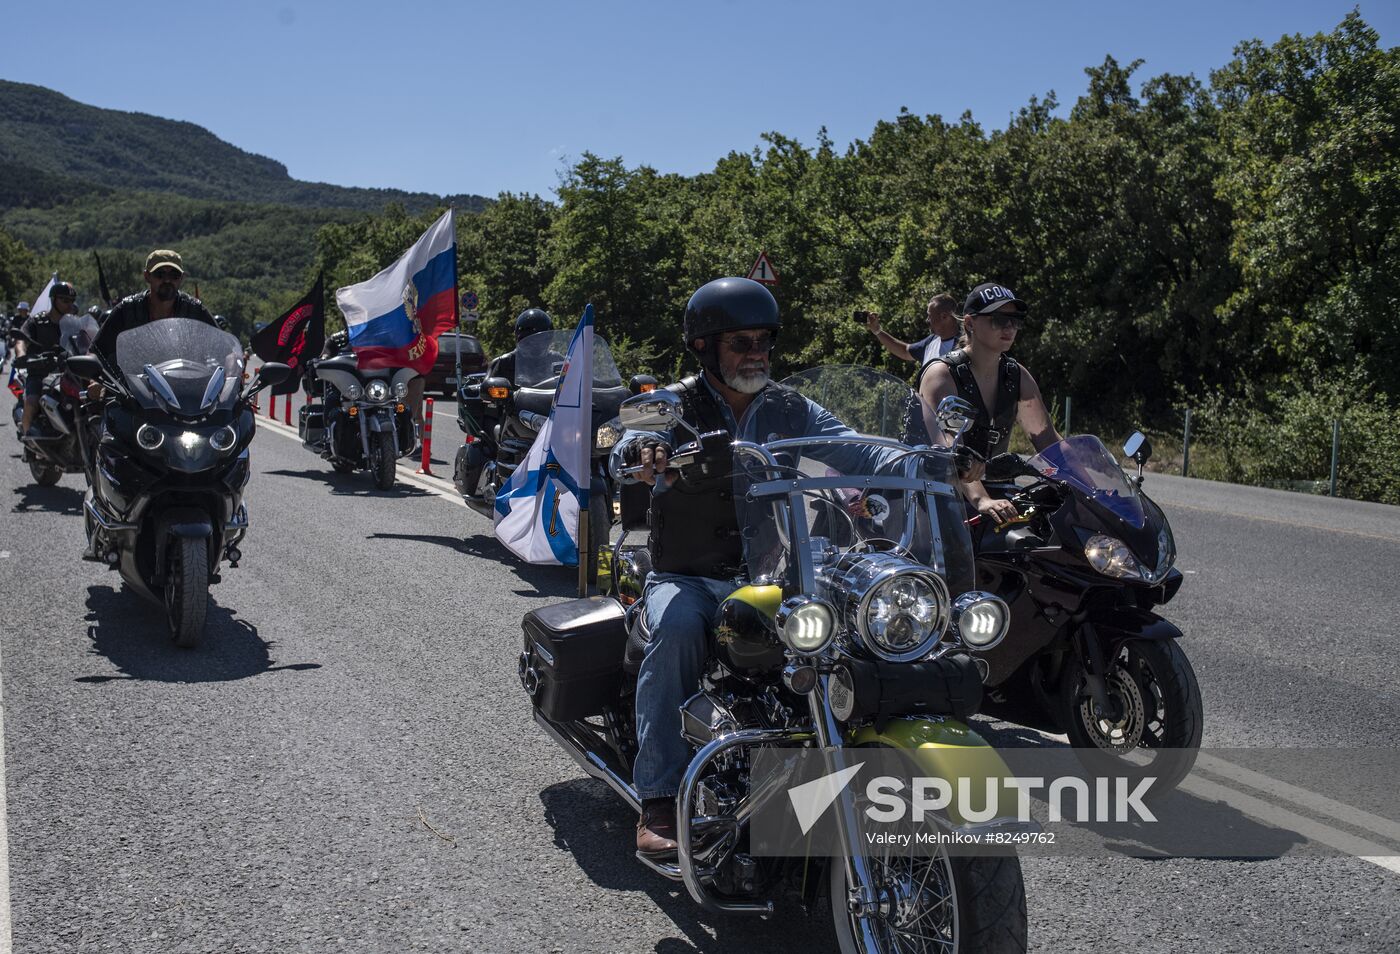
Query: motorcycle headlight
(354,392)
(1111,557)
(149,437)
(608,435)
(805,624)
(377,391)
(223,439)
(1166,554)
(898,609)
(190,442)
(981,619)
(401,390)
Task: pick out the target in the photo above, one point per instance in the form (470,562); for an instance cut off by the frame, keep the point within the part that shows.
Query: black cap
(988,297)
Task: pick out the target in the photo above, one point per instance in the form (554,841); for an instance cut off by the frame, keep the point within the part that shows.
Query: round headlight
(805,624)
(149,437)
(904,615)
(401,390)
(981,619)
(223,439)
(377,391)
(354,392)
(1111,557)
(608,435)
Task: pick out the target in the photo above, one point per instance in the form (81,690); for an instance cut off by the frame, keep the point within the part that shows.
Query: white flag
(537,511)
(43,303)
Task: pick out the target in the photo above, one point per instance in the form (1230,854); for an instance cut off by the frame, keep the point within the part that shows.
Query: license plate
(449,380)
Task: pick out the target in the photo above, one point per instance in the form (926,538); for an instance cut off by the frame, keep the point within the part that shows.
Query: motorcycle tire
(1153,682)
(981,900)
(45,475)
(187,589)
(381,461)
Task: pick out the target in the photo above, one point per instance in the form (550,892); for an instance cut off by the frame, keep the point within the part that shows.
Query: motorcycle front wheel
(381,461)
(187,589)
(1159,721)
(45,475)
(936,902)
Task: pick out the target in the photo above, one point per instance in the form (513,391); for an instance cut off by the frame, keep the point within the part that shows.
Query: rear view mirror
(84,366)
(495,389)
(273,373)
(955,415)
(651,411)
(642,384)
(1138,447)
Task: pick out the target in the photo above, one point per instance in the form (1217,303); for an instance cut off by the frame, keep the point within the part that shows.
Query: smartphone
(860,316)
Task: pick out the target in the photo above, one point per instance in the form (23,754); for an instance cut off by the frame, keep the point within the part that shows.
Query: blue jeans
(680,610)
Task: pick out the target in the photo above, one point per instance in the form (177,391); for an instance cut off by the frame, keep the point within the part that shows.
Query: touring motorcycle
(501,417)
(363,421)
(1084,566)
(66,432)
(843,634)
(166,504)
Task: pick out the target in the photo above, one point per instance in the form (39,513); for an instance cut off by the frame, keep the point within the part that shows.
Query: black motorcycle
(65,430)
(501,418)
(363,421)
(166,504)
(843,635)
(1083,567)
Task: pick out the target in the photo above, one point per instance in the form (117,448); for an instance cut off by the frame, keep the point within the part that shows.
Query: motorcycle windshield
(180,365)
(805,503)
(76,333)
(866,400)
(1085,464)
(539,360)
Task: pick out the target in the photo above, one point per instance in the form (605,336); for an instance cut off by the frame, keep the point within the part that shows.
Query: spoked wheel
(381,461)
(45,475)
(927,901)
(934,904)
(187,589)
(1158,724)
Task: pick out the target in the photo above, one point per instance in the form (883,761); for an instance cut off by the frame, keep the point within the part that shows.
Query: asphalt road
(349,764)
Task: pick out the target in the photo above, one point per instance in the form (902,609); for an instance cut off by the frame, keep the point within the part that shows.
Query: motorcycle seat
(638,637)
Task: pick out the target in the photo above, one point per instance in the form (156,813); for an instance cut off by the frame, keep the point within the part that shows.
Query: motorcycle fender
(380,421)
(186,523)
(1124,624)
(947,749)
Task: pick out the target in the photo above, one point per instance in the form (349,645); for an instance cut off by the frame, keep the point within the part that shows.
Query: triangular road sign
(763,270)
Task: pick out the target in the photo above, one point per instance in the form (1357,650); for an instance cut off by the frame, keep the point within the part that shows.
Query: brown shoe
(656,829)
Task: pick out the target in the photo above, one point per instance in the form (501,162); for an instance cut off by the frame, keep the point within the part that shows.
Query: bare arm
(1032,415)
(936,385)
(892,344)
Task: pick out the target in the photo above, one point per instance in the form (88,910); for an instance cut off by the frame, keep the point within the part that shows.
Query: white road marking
(6,940)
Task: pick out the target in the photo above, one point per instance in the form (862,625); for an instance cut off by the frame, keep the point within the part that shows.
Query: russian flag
(394,319)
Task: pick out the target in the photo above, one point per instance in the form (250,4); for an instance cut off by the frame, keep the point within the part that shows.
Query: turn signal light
(500,394)
(645,388)
(398,408)
(354,410)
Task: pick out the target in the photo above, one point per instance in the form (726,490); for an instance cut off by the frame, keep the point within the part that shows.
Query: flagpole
(584,551)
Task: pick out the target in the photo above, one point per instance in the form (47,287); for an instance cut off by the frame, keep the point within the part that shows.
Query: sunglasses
(168,275)
(1002,322)
(63,298)
(743,344)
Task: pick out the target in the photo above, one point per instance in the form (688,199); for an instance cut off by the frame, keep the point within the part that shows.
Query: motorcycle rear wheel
(381,461)
(45,475)
(1154,685)
(187,589)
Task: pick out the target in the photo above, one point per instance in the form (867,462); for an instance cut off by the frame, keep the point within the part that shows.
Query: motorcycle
(363,420)
(811,648)
(166,503)
(66,431)
(1083,567)
(500,419)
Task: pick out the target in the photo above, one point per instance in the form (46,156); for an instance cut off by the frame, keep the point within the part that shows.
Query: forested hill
(53,149)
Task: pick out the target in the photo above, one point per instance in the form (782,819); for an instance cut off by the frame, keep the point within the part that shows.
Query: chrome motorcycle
(363,421)
(842,635)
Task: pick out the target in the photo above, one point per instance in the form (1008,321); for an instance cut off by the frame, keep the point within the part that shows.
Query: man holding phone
(942,326)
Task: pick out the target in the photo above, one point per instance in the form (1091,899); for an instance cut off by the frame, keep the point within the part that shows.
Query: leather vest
(990,433)
(695,524)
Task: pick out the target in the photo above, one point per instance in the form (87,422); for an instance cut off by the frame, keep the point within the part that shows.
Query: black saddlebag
(572,663)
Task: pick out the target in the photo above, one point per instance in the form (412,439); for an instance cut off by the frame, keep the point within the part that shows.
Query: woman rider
(1001,390)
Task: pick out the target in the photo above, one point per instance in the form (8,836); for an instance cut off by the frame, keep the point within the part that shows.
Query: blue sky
(489,97)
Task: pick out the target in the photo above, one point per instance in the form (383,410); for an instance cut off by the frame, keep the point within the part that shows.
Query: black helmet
(62,288)
(222,322)
(531,321)
(729,304)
